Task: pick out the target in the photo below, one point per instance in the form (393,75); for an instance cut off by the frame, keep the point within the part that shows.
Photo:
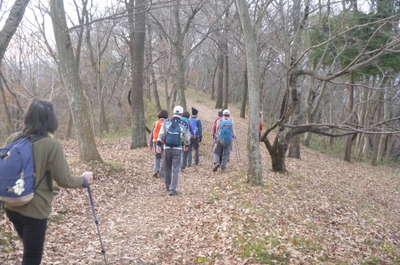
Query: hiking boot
(173,193)
(215,167)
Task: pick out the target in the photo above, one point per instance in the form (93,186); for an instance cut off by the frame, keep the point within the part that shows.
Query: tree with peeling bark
(254,171)
(69,69)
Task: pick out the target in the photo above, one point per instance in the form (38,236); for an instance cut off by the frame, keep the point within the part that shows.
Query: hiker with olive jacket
(30,219)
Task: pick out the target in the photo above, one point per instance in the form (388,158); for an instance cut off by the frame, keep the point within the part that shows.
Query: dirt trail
(324,211)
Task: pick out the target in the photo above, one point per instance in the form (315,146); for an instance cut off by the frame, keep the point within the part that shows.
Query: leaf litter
(324,211)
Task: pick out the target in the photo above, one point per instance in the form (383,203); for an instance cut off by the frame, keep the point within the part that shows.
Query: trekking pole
(212,152)
(237,151)
(96,221)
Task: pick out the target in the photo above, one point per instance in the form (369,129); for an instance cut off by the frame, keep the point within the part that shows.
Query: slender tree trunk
(294,147)
(152,72)
(364,121)
(245,97)
(180,60)
(70,125)
(254,171)
(148,85)
(213,82)
(137,35)
(226,81)
(174,95)
(103,117)
(388,96)
(166,91)
(375,139)
(69,68)
(350,138)
(95,61)
(220,84)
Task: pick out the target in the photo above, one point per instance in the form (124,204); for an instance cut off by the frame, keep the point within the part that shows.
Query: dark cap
(194,111)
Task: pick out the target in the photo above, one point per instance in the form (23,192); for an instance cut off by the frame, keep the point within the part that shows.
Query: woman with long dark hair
(30,219)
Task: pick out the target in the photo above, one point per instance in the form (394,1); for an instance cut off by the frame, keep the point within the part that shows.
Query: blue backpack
(194,127)
(173,135)
(225,132)
(17,172)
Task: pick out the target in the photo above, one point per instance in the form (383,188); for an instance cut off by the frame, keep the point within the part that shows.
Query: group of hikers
(33,159)
(175,140)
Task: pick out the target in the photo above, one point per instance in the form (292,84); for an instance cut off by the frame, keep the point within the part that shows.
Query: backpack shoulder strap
(46,176)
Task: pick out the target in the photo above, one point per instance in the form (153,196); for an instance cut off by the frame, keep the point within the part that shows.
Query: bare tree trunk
(10,27)
(254,171)
(180,60)
(103,118)
(376,139)
(278,153)
(213,82)
(245,97)
(385,97)
(173,97)
(226,60)
(220,84)
(70,124)
(350,139)
(137,35)
(95,56)
(226,79)
(152,72)
(167,95)
(69,68)
(294,147)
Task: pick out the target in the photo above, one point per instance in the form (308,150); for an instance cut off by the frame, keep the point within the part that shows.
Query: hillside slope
(324,211)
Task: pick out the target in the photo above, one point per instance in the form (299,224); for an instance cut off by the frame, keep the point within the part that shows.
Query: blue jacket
(196,122)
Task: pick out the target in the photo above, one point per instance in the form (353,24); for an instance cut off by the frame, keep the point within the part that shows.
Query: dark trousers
(194,146)
(172,168)
(221,154)
(32,232)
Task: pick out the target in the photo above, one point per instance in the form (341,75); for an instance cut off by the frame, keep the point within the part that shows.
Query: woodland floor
(324,211)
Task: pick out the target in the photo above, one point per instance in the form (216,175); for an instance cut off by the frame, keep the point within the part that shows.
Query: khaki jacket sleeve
(59,169)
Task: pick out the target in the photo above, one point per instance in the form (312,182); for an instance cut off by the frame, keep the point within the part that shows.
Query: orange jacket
(156,130)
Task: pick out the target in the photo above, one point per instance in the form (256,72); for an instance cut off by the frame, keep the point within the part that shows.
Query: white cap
(178,110)
(226,112)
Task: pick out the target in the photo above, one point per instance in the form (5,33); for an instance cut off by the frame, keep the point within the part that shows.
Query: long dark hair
(40,118)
